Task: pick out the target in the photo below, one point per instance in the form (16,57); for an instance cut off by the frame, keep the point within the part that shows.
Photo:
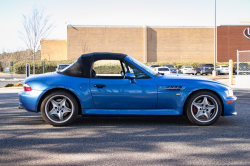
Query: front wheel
(59,108)
(203,108)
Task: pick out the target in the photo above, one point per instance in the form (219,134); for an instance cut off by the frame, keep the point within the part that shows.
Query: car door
(113,91)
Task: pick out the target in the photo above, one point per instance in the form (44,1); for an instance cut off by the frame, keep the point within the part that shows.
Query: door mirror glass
(130,76)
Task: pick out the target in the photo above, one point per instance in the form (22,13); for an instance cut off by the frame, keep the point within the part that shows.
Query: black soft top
(82,67)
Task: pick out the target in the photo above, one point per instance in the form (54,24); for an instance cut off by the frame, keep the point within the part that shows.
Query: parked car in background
(172,68)
(205,68)
(188,70)
(61,67)
(162,70)
(222,69)
(243,68)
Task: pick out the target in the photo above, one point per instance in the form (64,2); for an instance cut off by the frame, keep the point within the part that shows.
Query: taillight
(185,69)
(26,87)
(203,67)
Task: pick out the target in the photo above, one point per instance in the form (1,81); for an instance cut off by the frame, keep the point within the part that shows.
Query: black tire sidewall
(65,93)
(189,103)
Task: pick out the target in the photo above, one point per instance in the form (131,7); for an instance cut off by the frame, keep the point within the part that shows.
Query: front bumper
(29,100)
(229,106)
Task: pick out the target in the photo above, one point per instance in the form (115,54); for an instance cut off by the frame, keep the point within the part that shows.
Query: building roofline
(136,26)
(234,25)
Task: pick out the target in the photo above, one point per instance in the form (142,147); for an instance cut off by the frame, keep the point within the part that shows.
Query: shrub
(9,85)
(20,67)
(18,84)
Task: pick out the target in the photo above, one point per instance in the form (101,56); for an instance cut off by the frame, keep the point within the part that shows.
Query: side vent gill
(173,87)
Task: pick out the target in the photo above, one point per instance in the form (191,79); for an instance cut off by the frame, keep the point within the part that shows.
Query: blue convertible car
(117,84)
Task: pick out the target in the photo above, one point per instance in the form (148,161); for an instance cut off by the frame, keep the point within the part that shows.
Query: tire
(202,115)
(59,108)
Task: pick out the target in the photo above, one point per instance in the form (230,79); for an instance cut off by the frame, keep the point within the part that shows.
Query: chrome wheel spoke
(53,112)
(198,105)
(54,103)
(199,113)
(60,116)
(205,102)
(63,102)
(66,109)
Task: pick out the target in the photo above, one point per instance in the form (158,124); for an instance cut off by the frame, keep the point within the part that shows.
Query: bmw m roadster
(116,84)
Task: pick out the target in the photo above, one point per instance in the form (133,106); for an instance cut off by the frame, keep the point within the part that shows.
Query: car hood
(190,82)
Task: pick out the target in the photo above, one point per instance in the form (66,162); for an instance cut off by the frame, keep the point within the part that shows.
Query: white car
(162,70)
(188,70)
(222,69)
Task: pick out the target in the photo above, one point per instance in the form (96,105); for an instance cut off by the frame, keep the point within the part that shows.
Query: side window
(139,74)
(107,69)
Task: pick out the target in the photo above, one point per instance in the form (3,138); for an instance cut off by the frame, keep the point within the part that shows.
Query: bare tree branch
(35,27)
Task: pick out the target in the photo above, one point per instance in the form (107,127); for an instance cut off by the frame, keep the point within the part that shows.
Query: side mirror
(161,73)
(131,77)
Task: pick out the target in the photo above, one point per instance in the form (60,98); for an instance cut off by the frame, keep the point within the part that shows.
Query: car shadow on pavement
(26,139)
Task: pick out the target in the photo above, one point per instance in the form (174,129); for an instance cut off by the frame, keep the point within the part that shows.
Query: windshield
(170,66)
(163,69)
(209,65)
(142,66)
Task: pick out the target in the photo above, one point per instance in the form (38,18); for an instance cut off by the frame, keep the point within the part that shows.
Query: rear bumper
(189,72)
(29,100)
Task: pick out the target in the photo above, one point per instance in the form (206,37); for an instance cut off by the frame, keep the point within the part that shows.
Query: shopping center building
(151,44)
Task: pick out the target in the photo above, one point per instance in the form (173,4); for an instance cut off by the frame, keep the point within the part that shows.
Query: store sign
(246,33)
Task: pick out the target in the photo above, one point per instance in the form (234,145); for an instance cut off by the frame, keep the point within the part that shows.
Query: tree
(35,27)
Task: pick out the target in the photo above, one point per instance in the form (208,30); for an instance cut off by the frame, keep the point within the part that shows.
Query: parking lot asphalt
(25,138)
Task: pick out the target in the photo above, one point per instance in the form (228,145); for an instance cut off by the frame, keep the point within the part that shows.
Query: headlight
(229,93)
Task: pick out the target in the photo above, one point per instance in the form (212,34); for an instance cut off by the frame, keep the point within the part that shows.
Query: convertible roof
(82,67)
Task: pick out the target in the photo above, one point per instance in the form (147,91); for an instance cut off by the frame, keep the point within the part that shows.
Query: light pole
(215,73)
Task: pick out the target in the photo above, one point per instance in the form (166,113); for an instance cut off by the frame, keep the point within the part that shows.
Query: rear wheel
(59,108)
(203,108)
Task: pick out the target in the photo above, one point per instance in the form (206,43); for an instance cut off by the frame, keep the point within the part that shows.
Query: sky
(120,13)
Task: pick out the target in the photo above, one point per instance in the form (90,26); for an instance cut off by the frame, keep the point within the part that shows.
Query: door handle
(99,85)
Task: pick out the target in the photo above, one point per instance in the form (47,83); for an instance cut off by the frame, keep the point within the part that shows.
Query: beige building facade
(53,50)
(145,43)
